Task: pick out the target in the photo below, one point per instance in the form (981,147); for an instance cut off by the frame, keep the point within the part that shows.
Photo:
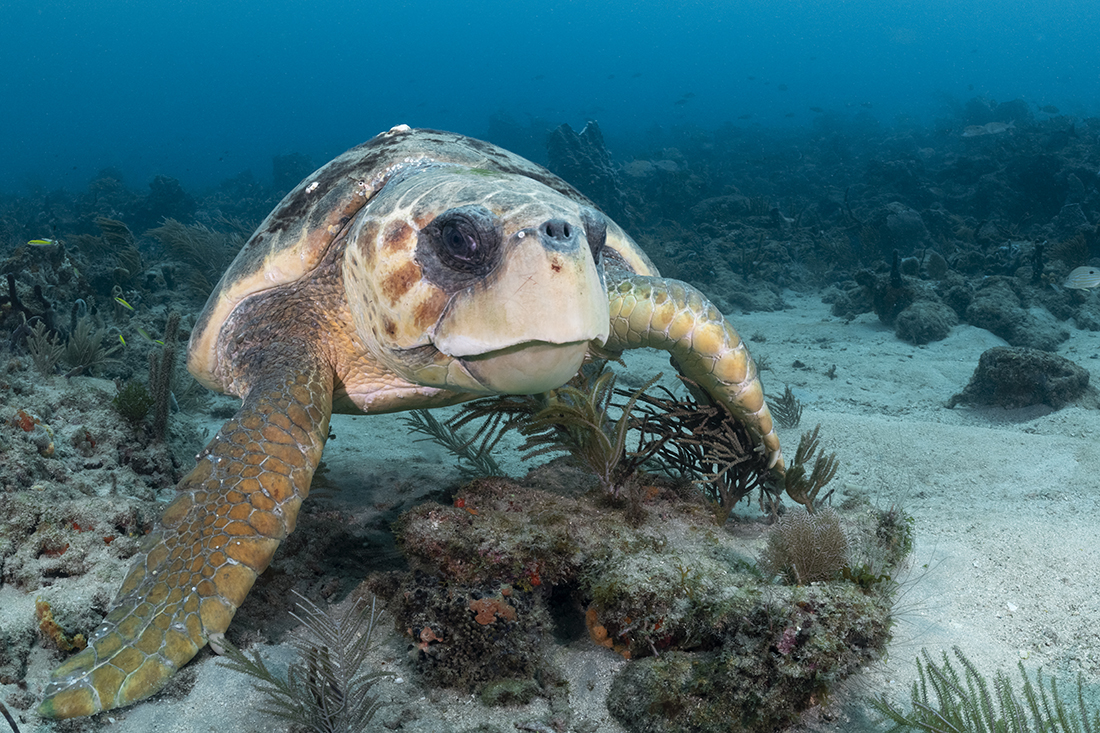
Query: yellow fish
(149,338)
(1085,277)
(42,242)
(123,303)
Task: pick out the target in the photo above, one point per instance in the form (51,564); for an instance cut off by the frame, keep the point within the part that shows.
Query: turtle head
(476,280)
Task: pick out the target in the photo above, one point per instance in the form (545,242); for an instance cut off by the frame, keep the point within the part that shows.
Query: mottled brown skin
(339,303)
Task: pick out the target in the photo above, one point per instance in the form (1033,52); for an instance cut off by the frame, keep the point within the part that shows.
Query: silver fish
(990,128)
(1085,277)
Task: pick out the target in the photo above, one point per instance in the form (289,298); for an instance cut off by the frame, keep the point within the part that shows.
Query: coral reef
(925,321)
(1018,377)
(505,562)
(582,159)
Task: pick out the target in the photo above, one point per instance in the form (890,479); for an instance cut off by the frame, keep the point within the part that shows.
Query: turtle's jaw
(528,368)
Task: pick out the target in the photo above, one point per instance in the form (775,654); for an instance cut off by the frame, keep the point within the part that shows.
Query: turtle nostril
(557,230)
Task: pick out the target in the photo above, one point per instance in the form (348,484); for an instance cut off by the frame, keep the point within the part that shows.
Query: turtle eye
(460,241)
(460,245)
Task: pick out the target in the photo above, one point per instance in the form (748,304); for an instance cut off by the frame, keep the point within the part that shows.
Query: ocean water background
(201,90)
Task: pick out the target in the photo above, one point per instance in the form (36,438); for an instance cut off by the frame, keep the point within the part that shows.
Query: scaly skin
(671,315)
(213,541)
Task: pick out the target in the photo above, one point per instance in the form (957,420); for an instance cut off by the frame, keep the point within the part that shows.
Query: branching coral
(160,376)
(705,443)
(802,487)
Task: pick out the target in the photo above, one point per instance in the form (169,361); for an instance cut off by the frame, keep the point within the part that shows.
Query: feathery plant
(327,690)
(571,419)
(474,459)
(965,704)
(206,250)
(787,409)
(44,347)
(575,420)
(85,351)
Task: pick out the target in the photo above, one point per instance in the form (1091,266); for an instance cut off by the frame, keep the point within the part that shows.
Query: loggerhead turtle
(419,269)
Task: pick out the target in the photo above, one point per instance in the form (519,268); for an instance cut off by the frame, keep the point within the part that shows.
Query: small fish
(817,109)
(990,128)
(1085,277)
(42,242)
(149,338)
(123,303)
(1050,109)
(121,340)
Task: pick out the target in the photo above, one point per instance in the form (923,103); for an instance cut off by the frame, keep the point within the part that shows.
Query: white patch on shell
(312,187)
(275,275)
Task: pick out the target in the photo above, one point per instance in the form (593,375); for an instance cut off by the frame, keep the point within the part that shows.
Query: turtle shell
(293,239)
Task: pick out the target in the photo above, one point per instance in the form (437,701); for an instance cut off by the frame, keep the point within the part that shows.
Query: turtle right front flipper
(212,542)
(668,314)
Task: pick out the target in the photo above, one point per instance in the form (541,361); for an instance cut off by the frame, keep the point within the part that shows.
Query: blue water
(202,90)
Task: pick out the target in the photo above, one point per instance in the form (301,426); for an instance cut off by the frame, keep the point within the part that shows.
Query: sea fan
(806,547)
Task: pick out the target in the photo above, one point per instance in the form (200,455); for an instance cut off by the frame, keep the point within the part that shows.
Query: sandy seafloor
(1006,566)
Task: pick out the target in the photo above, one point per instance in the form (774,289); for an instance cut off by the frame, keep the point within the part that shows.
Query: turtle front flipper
(671,315)
(213,541)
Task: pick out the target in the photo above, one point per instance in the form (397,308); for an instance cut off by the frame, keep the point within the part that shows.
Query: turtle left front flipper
(212,542)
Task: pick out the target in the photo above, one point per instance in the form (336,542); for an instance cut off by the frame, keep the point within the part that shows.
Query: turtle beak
(528,368)
(527,328)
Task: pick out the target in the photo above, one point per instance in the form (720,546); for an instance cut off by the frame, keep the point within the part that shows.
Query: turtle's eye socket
(460,246)
(595,231)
